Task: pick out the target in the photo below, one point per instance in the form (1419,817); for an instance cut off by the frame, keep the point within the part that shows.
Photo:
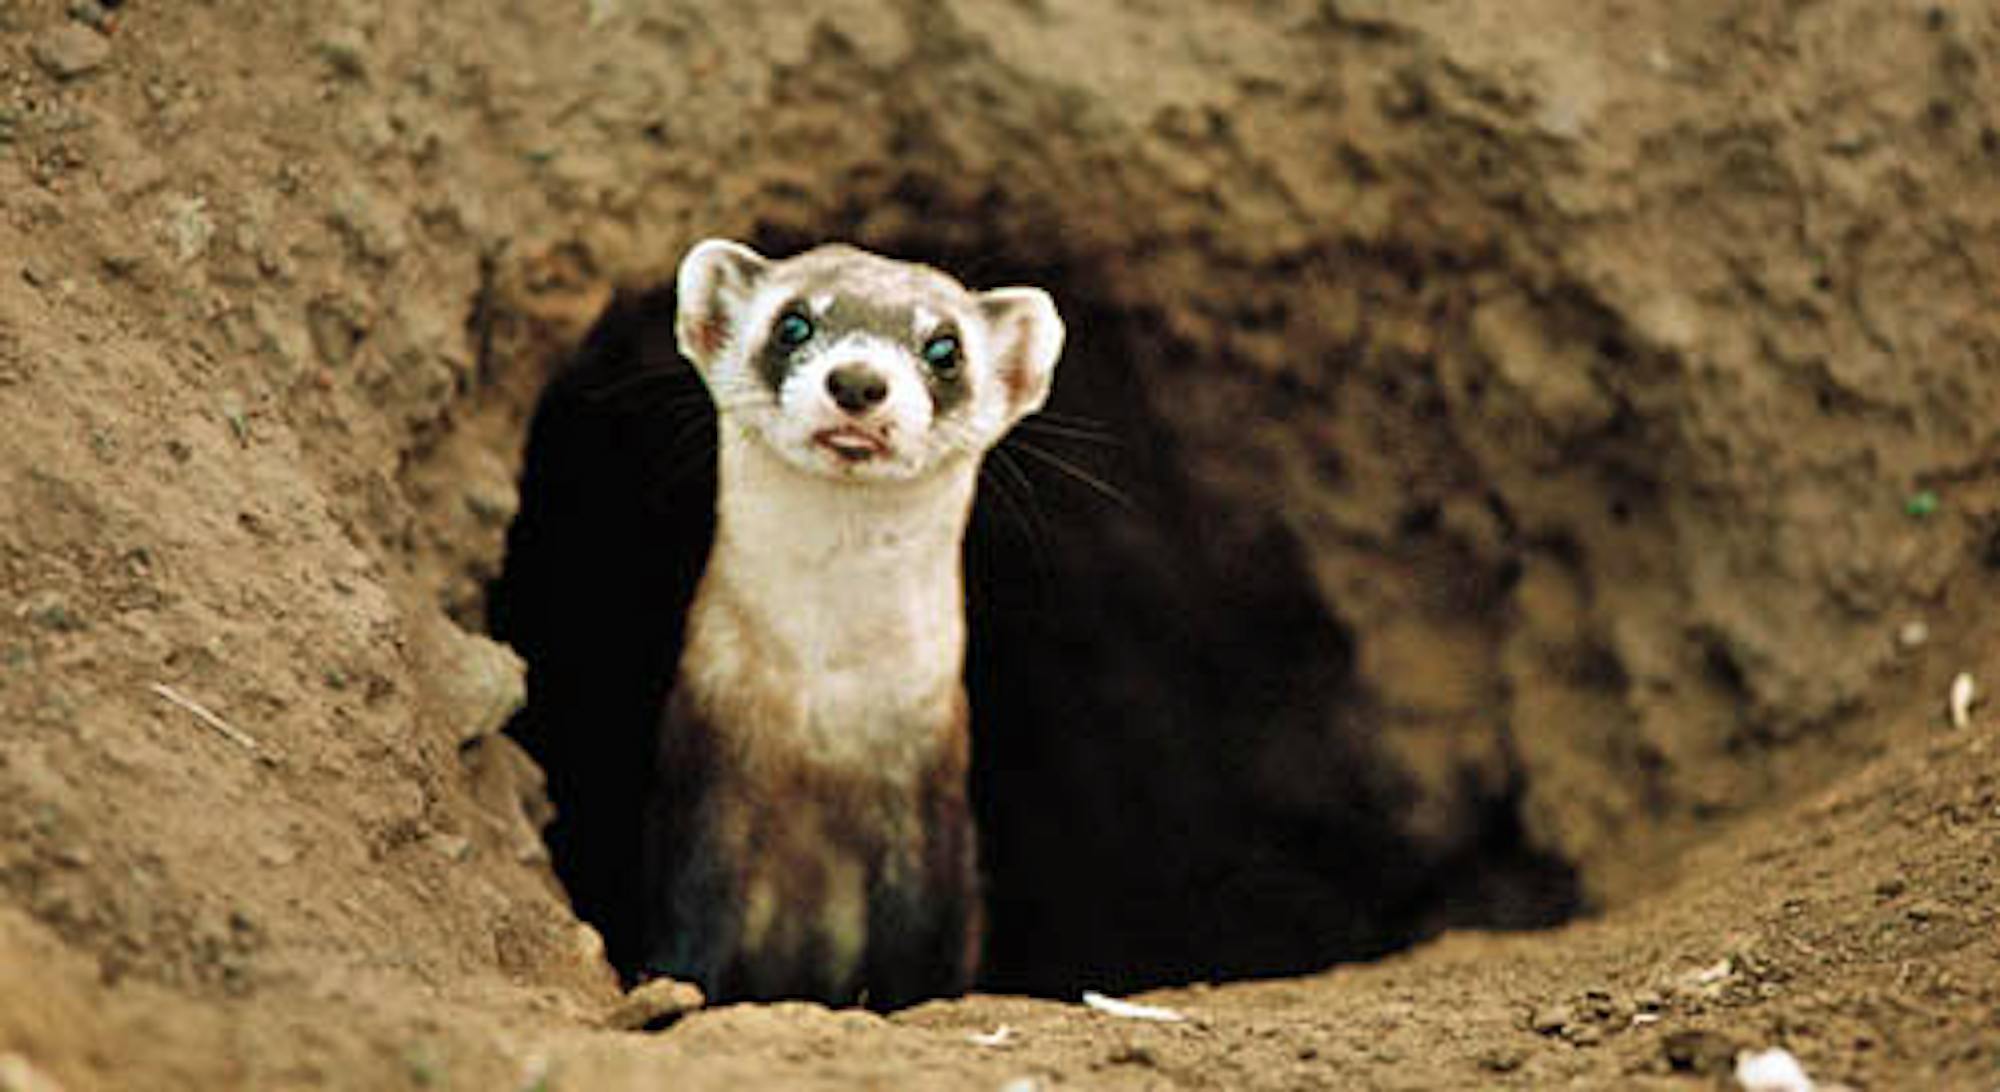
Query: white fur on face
(806,410)
(905,438)
(914,441)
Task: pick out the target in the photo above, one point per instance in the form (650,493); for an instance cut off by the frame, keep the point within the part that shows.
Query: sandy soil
(1567,470)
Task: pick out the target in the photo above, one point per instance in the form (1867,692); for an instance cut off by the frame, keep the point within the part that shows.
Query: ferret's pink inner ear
(1027,337)
(717,276)
(707,333)
(1026,385)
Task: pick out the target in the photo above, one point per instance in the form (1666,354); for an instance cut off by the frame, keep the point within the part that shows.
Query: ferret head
(857,367)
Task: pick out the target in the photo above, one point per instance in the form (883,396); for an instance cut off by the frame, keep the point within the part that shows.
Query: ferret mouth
(852,444)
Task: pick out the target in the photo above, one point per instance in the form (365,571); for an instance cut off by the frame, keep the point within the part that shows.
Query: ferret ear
(715,281)
(1027,339)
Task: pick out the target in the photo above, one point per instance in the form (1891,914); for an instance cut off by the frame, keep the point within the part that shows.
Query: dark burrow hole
(1170,776)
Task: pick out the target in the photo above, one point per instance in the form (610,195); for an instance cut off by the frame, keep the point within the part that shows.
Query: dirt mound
(1496,454)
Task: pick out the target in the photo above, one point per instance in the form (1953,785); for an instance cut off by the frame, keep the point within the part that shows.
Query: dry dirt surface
(1553,457)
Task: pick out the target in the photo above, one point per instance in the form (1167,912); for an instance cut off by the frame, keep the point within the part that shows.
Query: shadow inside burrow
(1138,651)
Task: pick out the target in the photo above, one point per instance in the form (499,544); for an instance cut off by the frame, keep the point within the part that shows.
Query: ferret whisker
(687,453)
(624,383)
(1014,494)
(1058,430)
(1017,491)
(690,422)
(1072,420)
(677,403)
(1077,473)
(680,457)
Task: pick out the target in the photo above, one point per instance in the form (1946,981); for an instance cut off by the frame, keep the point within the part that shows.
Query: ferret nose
(856,388)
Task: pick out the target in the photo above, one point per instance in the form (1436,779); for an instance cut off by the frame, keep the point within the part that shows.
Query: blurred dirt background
(1560,458)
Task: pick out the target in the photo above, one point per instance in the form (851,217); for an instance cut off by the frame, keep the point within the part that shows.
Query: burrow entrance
(1176,776)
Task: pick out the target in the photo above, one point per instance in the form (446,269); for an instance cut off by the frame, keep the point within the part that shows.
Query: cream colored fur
(833,594)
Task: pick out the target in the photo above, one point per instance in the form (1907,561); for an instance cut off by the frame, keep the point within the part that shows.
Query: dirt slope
(1563,437)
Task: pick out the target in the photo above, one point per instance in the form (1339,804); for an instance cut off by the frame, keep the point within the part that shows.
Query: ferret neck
(767,507)
(832,570)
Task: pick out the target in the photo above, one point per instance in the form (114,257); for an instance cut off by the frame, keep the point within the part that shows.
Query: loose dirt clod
(654,1004)
(71,51)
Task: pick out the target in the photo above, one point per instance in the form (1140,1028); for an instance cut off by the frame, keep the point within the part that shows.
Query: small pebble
(1550,1019)
(1696,1050)
(90,11)
(346,52)
(452,847)
(998,1037)
(587,943)
(1964,695)
(1773,1070)
(1714,974)
(72,856)
(1913,635)
(18,1074)
(1927,910)
(654,1004)
(1133,1054)
(493,504)
(482,681)
(1127,1010)
(1583,1035)
(50,610)
(70,51)
(277,854)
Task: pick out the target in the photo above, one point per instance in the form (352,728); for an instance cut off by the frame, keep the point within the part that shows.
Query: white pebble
(998,1037)
(1716,972)
(1128,1010)
(1964,695)
(17,1074)
(1773,1070)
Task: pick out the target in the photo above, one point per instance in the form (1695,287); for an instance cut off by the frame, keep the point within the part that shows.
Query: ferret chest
(852,676)
(829,626)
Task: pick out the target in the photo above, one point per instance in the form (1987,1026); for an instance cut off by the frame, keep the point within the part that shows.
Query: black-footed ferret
(811,835)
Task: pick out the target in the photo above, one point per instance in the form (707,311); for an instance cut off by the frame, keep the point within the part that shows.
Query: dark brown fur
(737,811)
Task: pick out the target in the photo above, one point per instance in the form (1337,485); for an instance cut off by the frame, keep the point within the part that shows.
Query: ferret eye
(941,353)
(794,330)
